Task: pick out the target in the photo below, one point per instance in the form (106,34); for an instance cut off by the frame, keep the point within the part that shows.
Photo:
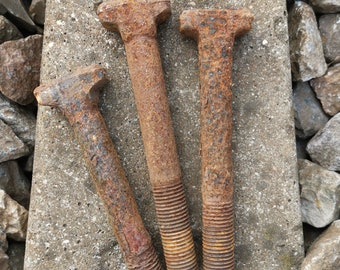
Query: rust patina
(215,31)
(137,21)
(77,97)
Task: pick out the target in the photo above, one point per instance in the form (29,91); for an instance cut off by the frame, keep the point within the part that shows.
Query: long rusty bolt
(137,20)
(215,31)
(77,97)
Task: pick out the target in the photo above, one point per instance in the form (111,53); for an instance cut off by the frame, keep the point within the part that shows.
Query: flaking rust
(77,97)
(137,23)
(215,31)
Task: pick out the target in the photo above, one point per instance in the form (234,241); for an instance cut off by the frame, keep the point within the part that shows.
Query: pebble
(329,26)
(11,146)
(37,11)
(20,68)
(320,194)
(8,31)
(18,10)
(14,182)
(309,116)
(22,121)
(324,147)
(16,124)
(324,253)
(306,52)
(325,6)
(13,219)
(327,89)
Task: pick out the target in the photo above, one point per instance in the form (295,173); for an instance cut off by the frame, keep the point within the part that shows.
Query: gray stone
(329,26)
(13,218)
(320,194)
(22,121)
(325,6)
(309,116)
(14,182)
(37,11)
(17,9)
(67,229)
(327,89)
(324,147)
(20,68)
(306,52)
(8,31)
(3,10)
(324,253)
(11,147)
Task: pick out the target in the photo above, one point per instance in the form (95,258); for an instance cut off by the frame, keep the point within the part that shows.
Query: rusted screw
(137,20)
(215,31)
(77,97)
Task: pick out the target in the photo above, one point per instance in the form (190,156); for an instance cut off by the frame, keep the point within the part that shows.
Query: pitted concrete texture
(67,226)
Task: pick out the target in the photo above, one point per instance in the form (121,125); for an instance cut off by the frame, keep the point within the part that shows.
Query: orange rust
(137,23)
(77,97)
(215,31)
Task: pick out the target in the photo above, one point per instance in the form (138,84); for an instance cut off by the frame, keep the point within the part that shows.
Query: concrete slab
(67,226)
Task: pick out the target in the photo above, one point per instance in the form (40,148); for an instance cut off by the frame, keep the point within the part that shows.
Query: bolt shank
(215,31)
(112,186)
(137,23)
(216,156)
(77,98)
(153,111)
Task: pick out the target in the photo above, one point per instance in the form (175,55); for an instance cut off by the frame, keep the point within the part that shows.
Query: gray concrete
(67,227)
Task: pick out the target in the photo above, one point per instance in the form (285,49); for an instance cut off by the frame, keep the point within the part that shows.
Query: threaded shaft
(218,236)
(148,260)
(174,224)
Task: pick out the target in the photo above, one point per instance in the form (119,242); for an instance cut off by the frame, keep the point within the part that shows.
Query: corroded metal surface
(215,31)
(77,97)
(137,23)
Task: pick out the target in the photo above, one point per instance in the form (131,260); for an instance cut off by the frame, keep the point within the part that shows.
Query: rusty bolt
(77,97)
(137,20)
(215,31)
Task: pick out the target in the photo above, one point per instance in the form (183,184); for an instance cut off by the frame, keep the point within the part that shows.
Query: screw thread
(148,260)
(174,224)
(218,236)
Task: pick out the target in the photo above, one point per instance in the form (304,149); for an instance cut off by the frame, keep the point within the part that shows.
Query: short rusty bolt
(215,31)
(137,20)
(77,97)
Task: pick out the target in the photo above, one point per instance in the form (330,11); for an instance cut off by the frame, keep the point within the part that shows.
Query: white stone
(13,217)
(306,51)
(320,194)
(329,26)
(325,6)
(324,147)
(11,147)
(324,254)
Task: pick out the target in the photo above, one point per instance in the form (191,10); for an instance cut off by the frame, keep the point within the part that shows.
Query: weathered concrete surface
(67,226)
